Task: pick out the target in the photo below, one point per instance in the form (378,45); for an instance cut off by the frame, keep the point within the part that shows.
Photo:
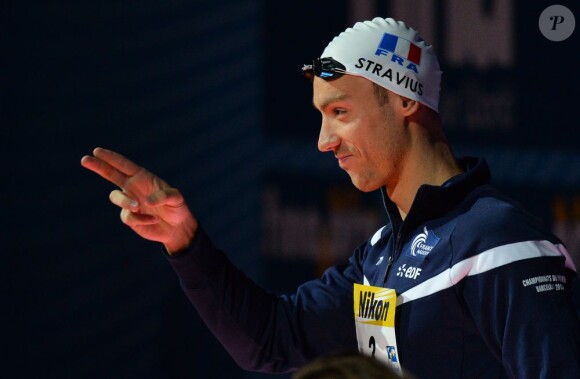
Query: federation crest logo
(423,243)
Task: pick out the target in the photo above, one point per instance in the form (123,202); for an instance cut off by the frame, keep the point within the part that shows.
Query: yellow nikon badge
(374,315)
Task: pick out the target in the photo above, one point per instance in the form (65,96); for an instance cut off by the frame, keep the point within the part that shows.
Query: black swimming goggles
(325,68)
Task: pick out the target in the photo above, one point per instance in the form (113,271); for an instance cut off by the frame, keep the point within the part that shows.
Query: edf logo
(557,23)
(408,272)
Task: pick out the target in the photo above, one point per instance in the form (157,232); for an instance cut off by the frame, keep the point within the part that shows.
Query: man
(460,283)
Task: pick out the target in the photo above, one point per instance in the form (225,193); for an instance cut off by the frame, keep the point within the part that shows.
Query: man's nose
(327,140)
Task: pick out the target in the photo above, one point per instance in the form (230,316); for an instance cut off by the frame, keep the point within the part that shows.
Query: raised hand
(149,206)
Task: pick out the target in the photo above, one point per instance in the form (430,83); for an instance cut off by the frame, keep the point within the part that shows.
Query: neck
(428,161)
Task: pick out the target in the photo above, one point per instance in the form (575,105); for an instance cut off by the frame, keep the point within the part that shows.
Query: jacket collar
(435,201)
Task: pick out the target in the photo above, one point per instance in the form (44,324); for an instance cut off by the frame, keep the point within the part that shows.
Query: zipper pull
(389,263)
(392,257)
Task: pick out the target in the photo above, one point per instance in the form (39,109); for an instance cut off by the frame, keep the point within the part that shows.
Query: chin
(364,186)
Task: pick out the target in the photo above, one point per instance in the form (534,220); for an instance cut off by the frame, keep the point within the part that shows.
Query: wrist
(183,240)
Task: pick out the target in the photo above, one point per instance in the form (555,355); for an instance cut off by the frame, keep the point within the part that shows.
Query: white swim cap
(392,55)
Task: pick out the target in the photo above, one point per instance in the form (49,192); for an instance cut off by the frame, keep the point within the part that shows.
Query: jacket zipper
(393,256)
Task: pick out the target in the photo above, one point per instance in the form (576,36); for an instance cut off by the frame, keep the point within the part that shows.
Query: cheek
(385,147)
(380,140)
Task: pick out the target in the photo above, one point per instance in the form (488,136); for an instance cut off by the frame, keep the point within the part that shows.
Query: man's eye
(338,111)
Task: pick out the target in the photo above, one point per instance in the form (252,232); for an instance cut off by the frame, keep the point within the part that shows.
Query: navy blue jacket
(483,291)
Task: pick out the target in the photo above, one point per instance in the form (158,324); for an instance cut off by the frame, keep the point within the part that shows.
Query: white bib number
(374,315)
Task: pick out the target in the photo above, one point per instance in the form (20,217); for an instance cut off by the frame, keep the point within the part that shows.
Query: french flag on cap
(401,47)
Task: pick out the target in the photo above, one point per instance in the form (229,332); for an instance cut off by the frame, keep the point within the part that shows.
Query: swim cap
(392,55)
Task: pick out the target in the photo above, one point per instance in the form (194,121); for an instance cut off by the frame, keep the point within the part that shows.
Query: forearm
(241,315)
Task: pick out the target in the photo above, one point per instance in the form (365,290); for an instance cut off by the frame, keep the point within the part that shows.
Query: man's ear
(408,106)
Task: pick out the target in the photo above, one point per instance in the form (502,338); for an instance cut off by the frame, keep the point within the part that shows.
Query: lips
(343,160)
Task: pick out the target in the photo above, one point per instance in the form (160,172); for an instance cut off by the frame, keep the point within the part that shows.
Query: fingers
(166,197)
(129,211)
(118,161)
(104,170)
(121,200)
(170,197)
(111,166)
(135,220)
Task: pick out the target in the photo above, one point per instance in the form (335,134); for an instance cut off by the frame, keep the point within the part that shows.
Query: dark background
(208,95)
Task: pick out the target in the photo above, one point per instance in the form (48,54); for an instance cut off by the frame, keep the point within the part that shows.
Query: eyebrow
(331,100)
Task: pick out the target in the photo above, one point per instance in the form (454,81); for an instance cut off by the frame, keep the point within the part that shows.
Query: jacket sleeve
(261,331)
(524,311)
